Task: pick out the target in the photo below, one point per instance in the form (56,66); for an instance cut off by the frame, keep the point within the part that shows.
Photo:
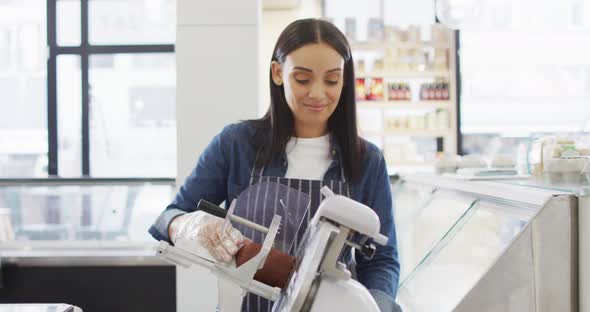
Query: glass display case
(68,242)
(486,246)
(107,212)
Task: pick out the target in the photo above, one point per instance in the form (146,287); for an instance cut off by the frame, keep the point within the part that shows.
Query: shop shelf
(404,74)
(405,104)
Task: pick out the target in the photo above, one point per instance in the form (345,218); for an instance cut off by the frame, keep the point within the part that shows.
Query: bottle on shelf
(437,91)
(407,92)
(399,92)
(393,92)
(445,91)
(423,92)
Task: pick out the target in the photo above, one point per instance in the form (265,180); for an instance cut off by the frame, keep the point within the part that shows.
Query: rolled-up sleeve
(208,180)
(382,271)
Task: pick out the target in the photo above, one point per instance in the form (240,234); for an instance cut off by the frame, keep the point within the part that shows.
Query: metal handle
(211,208)
(217,211)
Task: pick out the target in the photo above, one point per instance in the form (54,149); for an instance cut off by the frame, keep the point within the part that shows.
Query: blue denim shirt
(223,172)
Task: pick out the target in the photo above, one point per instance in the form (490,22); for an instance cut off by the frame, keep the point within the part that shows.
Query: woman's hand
(209,231)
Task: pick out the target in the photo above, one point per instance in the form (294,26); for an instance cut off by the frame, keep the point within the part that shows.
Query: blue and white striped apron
(256,213)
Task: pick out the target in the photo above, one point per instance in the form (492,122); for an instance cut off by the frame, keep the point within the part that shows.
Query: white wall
(217,70)
(217,54)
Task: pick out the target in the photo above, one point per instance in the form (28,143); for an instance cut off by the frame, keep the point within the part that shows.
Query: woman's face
(312,77)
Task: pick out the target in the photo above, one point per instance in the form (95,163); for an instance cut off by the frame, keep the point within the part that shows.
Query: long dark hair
(276,127)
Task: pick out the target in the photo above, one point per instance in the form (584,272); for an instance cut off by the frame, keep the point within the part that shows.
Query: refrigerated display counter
(486,246)
(86,245)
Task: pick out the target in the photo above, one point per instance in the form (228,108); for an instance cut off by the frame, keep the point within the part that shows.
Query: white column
(217,71)
(217,84)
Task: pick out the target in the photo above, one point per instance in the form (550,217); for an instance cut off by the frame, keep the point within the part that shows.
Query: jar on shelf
(414,34)
(378,65)
(441,59)
(440,35)
(414,123)
(415,59)
(391,59)
(442,117)
(392,34)
(405,59)
(421,60)
(360,66)
(431,121)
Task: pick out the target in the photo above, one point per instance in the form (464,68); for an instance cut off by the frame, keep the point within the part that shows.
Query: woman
(309,134)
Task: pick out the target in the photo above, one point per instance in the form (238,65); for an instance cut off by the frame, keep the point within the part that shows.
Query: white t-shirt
(308,158)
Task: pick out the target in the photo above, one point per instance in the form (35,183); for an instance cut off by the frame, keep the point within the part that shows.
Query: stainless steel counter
(79,253)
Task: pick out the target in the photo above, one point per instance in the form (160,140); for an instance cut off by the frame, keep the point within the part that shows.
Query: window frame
(84,51)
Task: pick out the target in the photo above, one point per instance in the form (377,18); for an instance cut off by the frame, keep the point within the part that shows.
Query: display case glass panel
(458,261)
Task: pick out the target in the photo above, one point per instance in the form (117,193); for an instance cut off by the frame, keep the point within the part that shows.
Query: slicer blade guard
(260,202)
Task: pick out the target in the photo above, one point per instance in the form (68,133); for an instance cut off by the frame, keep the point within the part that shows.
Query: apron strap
(256,172)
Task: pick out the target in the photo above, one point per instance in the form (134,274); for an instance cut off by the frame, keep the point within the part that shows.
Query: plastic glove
(208,231)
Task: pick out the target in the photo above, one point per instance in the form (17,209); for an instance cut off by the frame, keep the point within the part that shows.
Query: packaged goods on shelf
(407,85)
(399,92)
(360,66)
(431,121)
(414,35)
(378,65)
(439,34)
(375,89)
(360,89)
(442,116)
(440,60)
(447,164)
(392,34)
(375,30)
(472,161)
(391,59)
(405,60)
(437,91)
(350,29)
(402,153)
(559,160)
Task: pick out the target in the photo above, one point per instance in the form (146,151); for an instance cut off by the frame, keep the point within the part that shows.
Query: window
(23,79)
(525,72)
(102,102)
(132,133)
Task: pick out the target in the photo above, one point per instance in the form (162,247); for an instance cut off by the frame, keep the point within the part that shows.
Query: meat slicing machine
(318,282)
